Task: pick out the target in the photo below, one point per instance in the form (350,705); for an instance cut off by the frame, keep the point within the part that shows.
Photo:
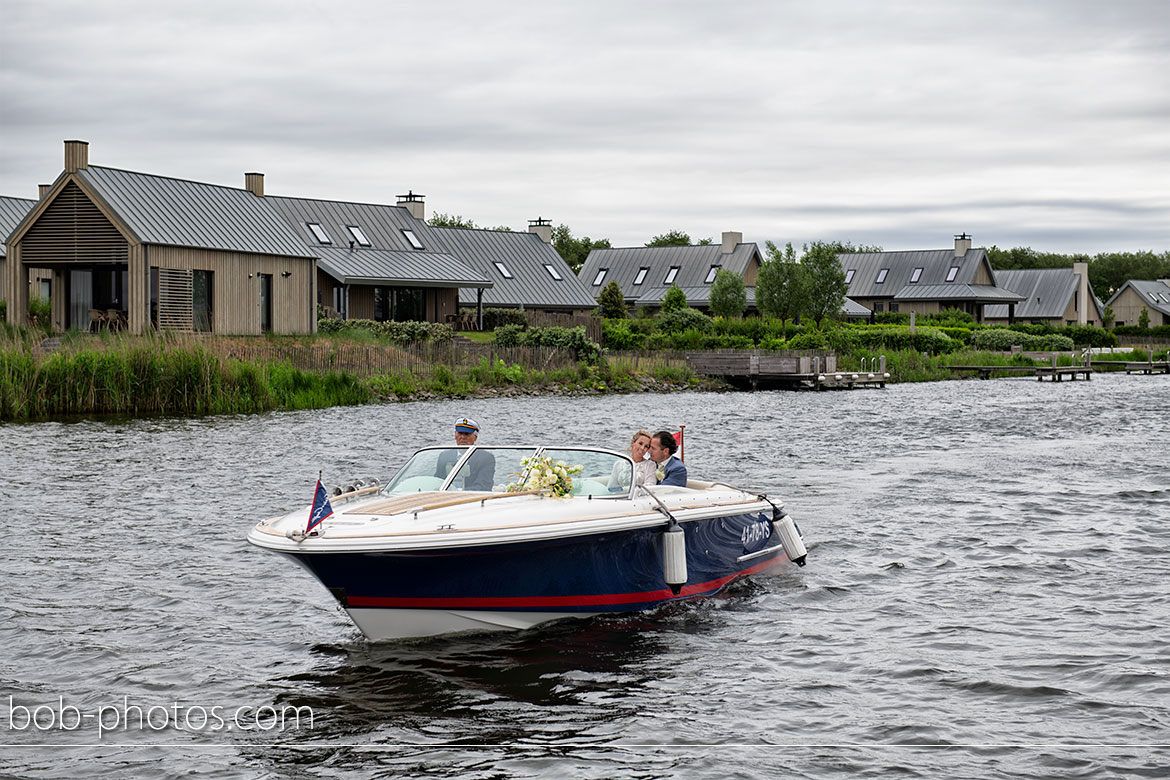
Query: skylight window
(414,242)
(320,233)
(951,274)
(849,275)
(552,272)
(914,277)
(881,276)
(358,235)
(712,274)
(673,272)
(641,277)
(503,268)
(597,280)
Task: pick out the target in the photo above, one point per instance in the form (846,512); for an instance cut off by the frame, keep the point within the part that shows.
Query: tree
(826,281)
(728,297)
(439,219)
(1144,318)
(574,250)
(675,238)
(1107,317)
(612,302)
(674,299)
(781,286)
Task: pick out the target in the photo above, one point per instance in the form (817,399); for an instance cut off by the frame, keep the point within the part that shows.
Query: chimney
(43,190)
(1083,299)
(731,240)
(962,244)
(76,156)
(254,183)
(541,227)
(414,204)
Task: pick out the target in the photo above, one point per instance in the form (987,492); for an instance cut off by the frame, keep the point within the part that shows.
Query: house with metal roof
(136,250)
(1053,296)
(1138,294)
(926,281)
(646,273)
(132,250)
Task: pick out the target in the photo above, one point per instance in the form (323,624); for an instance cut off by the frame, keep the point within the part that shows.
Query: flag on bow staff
(679,438)
(321,507)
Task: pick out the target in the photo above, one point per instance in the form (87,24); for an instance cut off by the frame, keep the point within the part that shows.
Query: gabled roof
(851,308)
(525,256)
(900,266)
(1046,292)
(177,212)
(694,264)
(1155,295)
(12,212)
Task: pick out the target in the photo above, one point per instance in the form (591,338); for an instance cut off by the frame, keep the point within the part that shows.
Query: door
(265,303)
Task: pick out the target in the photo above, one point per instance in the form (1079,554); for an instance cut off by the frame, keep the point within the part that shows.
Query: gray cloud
(897,123)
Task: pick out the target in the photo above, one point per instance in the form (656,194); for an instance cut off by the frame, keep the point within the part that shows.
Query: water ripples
(987,567)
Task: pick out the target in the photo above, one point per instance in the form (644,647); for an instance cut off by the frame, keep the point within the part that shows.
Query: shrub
(1057,343)
(678,320)
(1162,331)
(509,335)
(953,317)
(616,334)
(612,302)
(810,339)
(892,318)
(1090,336)
(398,332)
(674,299)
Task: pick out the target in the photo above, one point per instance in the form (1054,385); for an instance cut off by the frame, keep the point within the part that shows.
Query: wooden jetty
(1149,367)
(1054,372)
(804,369)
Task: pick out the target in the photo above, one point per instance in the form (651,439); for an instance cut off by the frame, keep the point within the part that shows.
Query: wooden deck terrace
(813,370)
(1040,372)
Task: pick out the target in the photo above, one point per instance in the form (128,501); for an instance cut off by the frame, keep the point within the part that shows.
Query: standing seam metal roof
(1046,292)
(525,256)
(935,265)
(378,266)
(12,212)
(694,264)
(176,212)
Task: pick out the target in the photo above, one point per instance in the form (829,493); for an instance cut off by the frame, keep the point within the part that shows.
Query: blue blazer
(674,472)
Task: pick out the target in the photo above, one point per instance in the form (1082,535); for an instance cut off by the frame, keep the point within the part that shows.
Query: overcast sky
(1023,123)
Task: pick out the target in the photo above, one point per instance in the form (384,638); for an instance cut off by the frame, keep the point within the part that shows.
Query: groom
(662,449)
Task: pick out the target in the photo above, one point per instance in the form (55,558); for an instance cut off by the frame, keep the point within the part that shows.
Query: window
(673,272)
(849,275)
(552,272)
(914,277)
(597,280)
(201,301)
(878,306)
(358,235)
(893,307)
(503,269)
(265,303)
(414,242)
(881,276)
(951,274)
(320,233)
(641,277)
(712,274)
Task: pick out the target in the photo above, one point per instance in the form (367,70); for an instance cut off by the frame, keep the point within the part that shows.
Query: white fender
(674,557)
(790,537)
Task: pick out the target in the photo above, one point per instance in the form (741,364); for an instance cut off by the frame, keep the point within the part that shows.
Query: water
(986,596)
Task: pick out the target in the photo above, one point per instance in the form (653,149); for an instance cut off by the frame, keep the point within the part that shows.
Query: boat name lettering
(756,532)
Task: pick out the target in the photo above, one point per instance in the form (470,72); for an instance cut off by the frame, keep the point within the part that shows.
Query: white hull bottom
(379,623)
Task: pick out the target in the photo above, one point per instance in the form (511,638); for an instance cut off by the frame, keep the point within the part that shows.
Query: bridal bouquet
(545,474)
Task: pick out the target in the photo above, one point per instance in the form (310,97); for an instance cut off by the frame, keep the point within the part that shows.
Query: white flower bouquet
(545,474)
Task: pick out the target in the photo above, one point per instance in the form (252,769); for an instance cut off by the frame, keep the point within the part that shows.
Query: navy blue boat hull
(609,572)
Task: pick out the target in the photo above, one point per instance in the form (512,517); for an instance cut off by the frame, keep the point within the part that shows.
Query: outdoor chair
(97,320)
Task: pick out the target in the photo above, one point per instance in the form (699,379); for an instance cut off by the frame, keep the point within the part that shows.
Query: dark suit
(478,474)
(674,472)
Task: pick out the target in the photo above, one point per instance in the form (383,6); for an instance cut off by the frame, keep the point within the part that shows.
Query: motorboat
(448,545)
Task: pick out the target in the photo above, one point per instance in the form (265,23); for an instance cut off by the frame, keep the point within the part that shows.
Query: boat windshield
(493,468)
(602,473)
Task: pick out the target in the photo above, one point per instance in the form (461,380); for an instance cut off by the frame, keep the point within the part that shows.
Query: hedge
(398,332)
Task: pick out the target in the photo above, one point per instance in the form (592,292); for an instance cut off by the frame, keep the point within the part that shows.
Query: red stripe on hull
(518,602)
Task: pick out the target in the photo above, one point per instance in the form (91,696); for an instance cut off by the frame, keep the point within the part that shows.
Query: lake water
(987,595)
